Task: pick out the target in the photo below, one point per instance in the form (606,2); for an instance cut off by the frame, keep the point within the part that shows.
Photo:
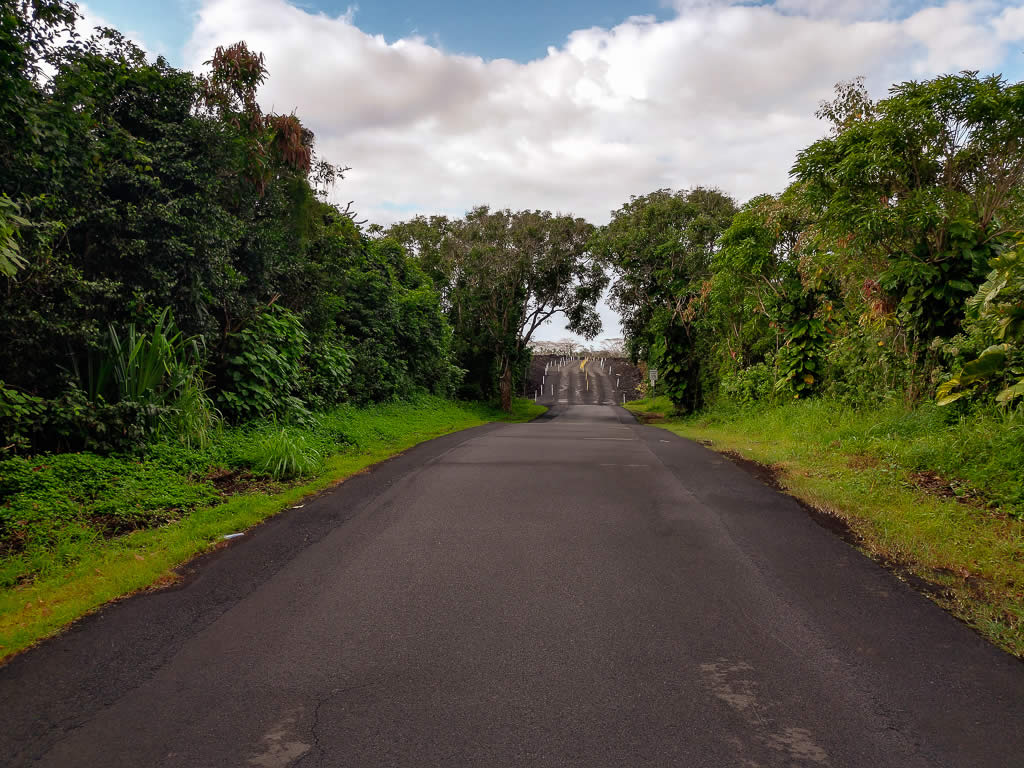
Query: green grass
(525,410)
(73,553)
(659,406)
(883,472)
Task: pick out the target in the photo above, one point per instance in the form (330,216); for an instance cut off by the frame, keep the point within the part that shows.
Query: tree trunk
(506,387)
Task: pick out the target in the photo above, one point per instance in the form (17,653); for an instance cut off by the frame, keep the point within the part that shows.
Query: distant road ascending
(582,382)
(579,591)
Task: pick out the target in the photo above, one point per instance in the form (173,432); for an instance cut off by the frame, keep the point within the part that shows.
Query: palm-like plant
(160,370)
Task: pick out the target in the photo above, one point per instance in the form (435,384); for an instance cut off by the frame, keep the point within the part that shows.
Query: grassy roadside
(938,499)
(62,583)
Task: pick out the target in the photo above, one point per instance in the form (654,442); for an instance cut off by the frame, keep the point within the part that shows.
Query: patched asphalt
(578,591)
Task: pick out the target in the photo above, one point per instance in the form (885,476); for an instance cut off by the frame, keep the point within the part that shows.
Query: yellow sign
(583,364)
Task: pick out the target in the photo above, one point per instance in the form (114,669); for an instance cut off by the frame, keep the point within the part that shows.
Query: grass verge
(935,497)
(59,583)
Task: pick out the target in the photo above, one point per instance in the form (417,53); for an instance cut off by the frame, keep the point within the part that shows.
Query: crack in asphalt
(318,751)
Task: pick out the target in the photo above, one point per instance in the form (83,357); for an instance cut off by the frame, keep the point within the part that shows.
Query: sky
(570,106)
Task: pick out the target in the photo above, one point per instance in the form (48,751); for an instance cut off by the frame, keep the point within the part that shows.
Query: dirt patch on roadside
(936,485)
(646,417)
(230,482)
(931,483)
(862,461)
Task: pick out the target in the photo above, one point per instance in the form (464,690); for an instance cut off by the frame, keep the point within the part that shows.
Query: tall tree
(660,247)
(769,294)
(502,275)
(921,188)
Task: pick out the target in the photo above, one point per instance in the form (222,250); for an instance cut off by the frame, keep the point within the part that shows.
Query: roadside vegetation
(890,271)
(192,328)
(862,332)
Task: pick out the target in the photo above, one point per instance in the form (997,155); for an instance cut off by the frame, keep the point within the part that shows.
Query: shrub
(750,385)
(262,372)
(996,314)
(50,502)
(143,384)
(19,417)
(325,374)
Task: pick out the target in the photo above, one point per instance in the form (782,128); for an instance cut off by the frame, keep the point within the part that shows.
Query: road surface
(578,591)
(574,381)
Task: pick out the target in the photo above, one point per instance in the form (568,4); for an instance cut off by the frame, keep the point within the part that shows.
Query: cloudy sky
(573,105)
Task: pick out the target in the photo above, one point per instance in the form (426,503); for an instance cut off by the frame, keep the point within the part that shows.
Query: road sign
(653,373)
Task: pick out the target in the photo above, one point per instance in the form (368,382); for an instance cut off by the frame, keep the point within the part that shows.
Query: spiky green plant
(160,370)
(282,453)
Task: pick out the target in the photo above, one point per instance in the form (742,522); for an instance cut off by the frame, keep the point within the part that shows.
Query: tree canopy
(880,272)
(502,275)
(660,247)
(154,219)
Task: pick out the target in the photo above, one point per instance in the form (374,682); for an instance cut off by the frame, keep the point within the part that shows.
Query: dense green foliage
(890,271)
(661,246)
(168,258)
(995,313)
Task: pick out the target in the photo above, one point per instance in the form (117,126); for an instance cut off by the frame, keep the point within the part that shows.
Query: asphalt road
(579,591)
(580,382)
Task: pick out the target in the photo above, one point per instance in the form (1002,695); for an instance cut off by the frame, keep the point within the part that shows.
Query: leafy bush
(262,372)
(863,367)
(801,359)
(325,373)
(747,386)
(161,368)
(995,314)
(19,417)
(11,259)
(72,422)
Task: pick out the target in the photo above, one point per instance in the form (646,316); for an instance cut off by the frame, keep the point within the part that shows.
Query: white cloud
(956,36)
(1009,24)
(723,94)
